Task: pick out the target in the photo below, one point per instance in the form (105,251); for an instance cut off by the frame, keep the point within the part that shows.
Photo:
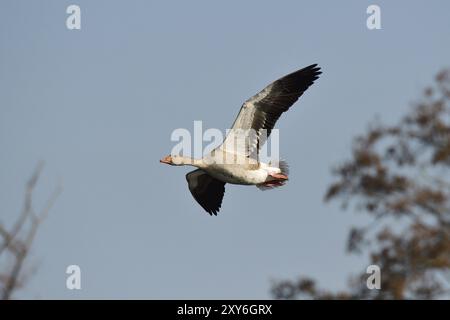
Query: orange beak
(166,160)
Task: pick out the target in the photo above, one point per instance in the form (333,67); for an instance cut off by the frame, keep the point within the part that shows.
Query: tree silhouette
(16,241)
(399,176)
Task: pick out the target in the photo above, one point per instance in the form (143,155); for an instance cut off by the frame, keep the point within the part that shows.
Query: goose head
(167,160)
(173,160)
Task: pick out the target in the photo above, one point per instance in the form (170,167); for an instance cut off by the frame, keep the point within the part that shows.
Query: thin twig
(26,211)
(11,282)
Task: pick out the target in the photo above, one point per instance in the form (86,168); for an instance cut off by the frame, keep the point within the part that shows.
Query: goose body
(236,160)
(239,174)
(240,170)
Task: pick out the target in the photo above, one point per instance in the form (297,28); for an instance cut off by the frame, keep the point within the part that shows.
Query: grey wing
(206,190)
(261,112)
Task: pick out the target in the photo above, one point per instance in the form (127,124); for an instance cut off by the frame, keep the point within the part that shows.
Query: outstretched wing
(261,112)
(207,190)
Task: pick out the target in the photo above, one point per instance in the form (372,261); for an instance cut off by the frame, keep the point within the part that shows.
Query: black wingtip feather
(206,190)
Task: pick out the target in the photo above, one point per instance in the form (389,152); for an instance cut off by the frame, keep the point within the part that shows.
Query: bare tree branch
(19,247)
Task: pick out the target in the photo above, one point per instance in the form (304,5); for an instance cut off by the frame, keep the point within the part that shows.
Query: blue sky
(98,105)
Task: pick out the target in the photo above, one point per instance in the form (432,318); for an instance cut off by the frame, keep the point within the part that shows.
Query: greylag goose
(240,148)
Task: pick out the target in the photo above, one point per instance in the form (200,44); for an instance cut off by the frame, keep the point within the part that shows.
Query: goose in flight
(236,161)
